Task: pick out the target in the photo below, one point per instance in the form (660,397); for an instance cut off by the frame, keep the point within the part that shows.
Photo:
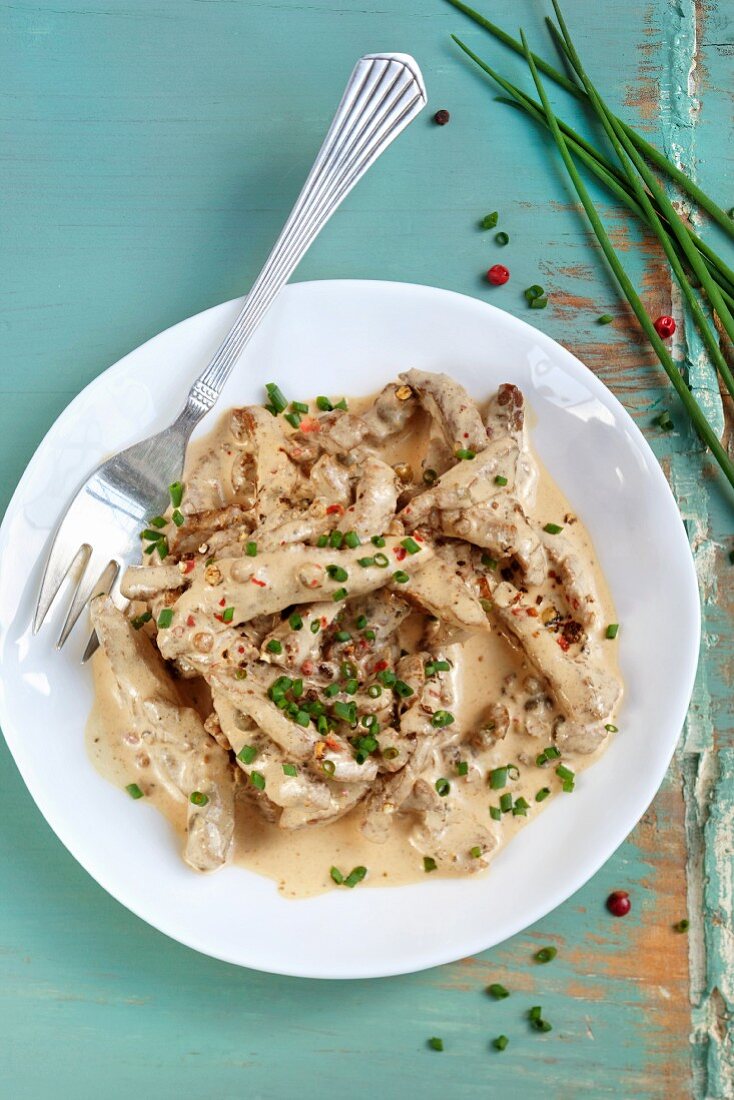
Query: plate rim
(617,836)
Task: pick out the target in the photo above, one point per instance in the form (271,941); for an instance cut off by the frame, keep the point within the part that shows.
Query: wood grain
(152,149)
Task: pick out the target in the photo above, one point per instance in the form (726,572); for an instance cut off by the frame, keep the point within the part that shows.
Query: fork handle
(385,92)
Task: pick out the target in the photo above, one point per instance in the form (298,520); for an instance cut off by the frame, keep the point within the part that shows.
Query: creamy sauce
(300,861)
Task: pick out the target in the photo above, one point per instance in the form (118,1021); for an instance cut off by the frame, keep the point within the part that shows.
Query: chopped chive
(410,545)
(258,780)
(442,718)
(429,864)
(500,1043)
(553,528)
(534,292)
(605,319)
(351,686)
(475,852)
(374,691)
(336,538)
(315,626)
(251,549)
(610,728)
(277,400)
(247,754)
(380,560)
(299,406)
(506,802)
(402,690)
(340,594)
(495,813)
(271,409)
(612,630)
(502,238)
(342,404)
(542,1025)
(331,690)
(400,576)
(489,221)
(462,768)
(513,771)
(352,540)
(324,404)
(355,875)
(302,718)
(488,562)
(293,419)
(178,518)
(552,753)
(335,873)
(360,622)
(435,1043)
(337,573)
(387,677)
(442,787)
(150,536)
(500,480)
(546,954)
(542,794)
(539,303)
(158,521)
(498,991)
(165,618)
(240,674)
(664,422)
(564,773)
(369,635)
(149,549)
(328,766)
(346,711)
(365,562)
(274,646)
(295,622)
(228,615)
(342,636)
(521,807)
(198,798)
(134,790)
(390,752)
(679,926)
(323,540)
(140,620)
(535,1013)
(465,454)
(176,492)
(377,540)
(498,779)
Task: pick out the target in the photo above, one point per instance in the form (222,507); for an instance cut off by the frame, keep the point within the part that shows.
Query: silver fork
(384,94)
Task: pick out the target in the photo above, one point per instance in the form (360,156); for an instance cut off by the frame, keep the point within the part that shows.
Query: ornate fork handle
(385,92)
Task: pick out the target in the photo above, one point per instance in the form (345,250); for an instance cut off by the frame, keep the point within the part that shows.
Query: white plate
(352,337)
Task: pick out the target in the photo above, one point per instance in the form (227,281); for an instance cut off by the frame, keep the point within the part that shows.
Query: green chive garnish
(475,852)
(274,646)
(374,691)
(605,319)
(488,562)
(247,754)
(664,422)
(465,454)
(140,620)
(500,480)
(340,594)
(502,238)
(546,954)
(277,400)
(369,635)
(323,540)
(337,573)
(612,630)
(134,790)
(401,689)
(400,576)
(343,636)
(324,404)
(500,1043)
(356,875)
(331,690)
(553,528)
(489,221)
(495,813)
(198,798)
(295,622)
(251,549)
(462,768)
(498,779)
(377,540)
(542,794)
(411,546)
(429,864)
(352,540)
(442,787)
(539,303)
(381,561)
(442,718)
(342,404)
(335,873)
(498,991)
(299,406)
(315,626)
(506,802)
(534,292)
(178,518)
(165,618)
(682,925)
(520,808)
(258,780)
(293,419)
(176,492)
(360,622)
(158,521)
(336,538)
(365,562)
(435,1043)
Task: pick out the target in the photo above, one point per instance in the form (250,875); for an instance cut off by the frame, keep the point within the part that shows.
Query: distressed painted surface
(152,148)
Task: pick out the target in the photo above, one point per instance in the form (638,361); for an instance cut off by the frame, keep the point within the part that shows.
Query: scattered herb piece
(442,787)
(553,528)
(134,790)
(429,864)
(462,768)
(176,492)
(140,620)
(612,630)
(664,421)
(198,798)
(546,954)
(465,454)
(336,875)
(400,576)
(542,794)
(682,925)
(500,1043)
(165,618)
(502,238)
(247,754)
(258,780)
(277,400)
(251,549)
(355,876)
(290,769)
(498,991)
(324,404)
(489,221)
(500,480)
(434,1042)
(605,319)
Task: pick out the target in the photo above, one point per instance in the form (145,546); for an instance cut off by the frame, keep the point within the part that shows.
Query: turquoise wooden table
(151,149)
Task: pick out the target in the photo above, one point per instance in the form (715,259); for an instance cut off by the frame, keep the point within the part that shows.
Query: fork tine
(56,571)
(85,590)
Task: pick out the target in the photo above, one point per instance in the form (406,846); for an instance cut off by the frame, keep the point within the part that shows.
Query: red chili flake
(332,744)
(191,621)
(261,584)
(222,603)
(565,646)
(190,565)
(307,668)
(240,649)
(497,275)
(381,666)
(309,424)
(335,510)
(218,617)
(417,537)
(533,612)
(618,903)
(665,327)
(400,552)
